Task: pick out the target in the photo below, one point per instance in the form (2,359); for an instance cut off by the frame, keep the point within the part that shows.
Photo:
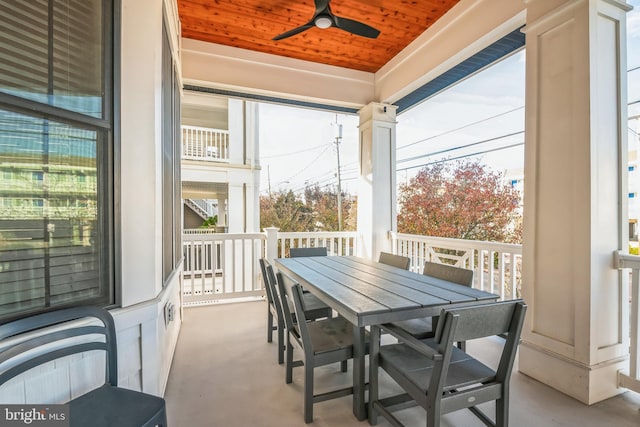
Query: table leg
(359,404)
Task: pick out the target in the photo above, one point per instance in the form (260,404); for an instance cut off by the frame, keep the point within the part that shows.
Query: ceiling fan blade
(293,32)
(355,27)
(321,5)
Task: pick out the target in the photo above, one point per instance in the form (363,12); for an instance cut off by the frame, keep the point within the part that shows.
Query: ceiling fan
(324,18)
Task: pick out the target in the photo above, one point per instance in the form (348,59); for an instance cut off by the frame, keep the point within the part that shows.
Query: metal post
(338,138)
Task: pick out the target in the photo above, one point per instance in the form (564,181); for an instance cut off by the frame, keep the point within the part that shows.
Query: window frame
(107,129)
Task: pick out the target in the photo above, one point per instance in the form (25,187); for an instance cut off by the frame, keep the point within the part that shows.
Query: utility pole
(338,139)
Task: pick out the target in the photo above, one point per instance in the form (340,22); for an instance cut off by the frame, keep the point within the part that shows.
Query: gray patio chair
(424,327)
(305,252)
(105,406)
(315,309)
(442,378)
(321,343)
(395,260)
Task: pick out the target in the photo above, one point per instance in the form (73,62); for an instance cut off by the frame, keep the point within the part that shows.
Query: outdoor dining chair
(442,378)
(74,331)
(315,309)
(305,252)
(395,260)
(320,343)
(424,327)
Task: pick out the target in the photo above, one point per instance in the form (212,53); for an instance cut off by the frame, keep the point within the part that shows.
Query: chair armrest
(406,338)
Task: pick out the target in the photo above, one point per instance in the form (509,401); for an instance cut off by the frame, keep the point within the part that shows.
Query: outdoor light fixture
(323,21)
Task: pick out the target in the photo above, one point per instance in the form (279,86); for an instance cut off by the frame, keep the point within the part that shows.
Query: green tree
(463,200)
(316,211)
(324,204)
(286,211)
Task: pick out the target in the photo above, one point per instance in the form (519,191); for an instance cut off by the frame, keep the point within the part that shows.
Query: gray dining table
(369,293)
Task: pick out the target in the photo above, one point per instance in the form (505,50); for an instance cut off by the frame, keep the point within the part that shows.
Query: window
(56,121)
(632,195)
(171,185)
(632,168)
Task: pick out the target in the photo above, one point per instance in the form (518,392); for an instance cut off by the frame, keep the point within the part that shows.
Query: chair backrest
(271,286)
(306,252)
(265,279)
(501,318)
(395,260)
(63,334)
(461,276)
(286,299)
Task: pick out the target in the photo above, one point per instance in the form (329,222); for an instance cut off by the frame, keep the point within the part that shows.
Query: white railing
(336,242)
(632,379)
(199,143)
(220,266)
(497,266)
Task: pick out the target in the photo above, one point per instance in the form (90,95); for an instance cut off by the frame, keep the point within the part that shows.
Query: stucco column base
(587,383)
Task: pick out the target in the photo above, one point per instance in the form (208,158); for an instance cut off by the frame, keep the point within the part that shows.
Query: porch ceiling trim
(507,45)
(271,99)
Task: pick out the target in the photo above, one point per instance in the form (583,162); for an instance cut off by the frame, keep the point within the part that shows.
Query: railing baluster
(199,143)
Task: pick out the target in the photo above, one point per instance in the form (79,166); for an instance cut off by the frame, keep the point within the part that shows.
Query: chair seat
(109,406)
(331,334)
(419,328)
(463,371)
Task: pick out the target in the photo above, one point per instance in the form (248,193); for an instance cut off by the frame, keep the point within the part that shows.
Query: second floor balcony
(205,144)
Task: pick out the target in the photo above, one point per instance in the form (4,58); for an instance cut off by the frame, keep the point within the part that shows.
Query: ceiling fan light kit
(324,18)
(323,22)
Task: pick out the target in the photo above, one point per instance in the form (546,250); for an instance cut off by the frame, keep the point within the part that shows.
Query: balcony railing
(199,143)
(631,380)
(337,243)
(221,266)
(497,266)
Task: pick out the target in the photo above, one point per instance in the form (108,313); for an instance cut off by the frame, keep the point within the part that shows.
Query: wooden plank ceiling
(252,24)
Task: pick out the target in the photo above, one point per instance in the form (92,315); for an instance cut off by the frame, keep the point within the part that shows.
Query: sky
(484,112)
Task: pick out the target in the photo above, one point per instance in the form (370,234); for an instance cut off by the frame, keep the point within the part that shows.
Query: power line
(307,166)
(461,157)
(294,152)
(459,147)
(461,127)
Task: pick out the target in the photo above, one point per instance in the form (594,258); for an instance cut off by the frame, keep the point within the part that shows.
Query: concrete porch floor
(224,373)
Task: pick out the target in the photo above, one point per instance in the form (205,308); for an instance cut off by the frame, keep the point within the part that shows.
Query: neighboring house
(220,166)
(634,179)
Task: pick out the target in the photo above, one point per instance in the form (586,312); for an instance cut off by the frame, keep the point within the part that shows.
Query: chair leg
(269,324)
(308,391)
(502,412)
(281,345)
(462,345)
(289,363)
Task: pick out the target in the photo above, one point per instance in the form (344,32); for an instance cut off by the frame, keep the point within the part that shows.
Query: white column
(575,337)
(252,132)
(236,131)
(377,190)
(236,205)
(141,151)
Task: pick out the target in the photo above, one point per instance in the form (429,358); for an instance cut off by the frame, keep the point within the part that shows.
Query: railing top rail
(313,234)
(223,236)
(204,129)
(625,260)
(461,243)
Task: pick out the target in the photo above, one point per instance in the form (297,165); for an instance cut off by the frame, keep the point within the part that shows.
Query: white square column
(377,210)
(575,214)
